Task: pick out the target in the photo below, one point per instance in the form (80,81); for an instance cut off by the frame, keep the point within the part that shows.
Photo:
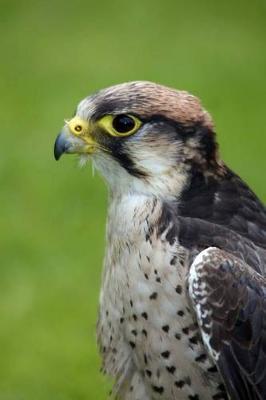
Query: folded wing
(229,298)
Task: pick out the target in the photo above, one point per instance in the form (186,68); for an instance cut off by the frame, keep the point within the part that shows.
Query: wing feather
(229,298)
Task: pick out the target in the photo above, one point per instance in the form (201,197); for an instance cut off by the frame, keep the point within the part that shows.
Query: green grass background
(52,215)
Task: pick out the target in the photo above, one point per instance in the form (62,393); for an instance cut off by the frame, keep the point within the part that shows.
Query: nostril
(78,128)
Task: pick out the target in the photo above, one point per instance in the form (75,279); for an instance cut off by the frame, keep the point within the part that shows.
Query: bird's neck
(129,212)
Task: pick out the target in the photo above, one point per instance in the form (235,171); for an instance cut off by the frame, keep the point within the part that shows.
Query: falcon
(183,298)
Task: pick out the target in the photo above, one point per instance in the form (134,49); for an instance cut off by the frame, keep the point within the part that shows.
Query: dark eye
(123,123)
(119,125)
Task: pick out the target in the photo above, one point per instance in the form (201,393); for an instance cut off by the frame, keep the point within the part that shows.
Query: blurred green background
(54,53)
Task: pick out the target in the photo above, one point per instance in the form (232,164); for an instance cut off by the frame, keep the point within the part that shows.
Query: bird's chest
(145,319)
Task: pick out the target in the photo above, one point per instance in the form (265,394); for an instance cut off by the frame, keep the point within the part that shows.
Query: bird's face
(143,137)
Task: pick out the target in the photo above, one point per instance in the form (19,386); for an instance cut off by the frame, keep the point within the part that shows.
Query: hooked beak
(61,146)
(74,138)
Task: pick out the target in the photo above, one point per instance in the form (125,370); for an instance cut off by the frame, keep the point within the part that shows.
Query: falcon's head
(143,137)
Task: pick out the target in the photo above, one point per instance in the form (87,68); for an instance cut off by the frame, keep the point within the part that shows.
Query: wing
(229,298)
(226,202)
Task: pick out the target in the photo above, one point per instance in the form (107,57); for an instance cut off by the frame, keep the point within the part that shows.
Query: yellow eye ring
(120,125)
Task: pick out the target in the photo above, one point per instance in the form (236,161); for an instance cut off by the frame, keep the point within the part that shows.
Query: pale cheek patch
(154,160)
(154,150)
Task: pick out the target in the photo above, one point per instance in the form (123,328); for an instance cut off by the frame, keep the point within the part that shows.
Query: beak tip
(60,146)
(57,155)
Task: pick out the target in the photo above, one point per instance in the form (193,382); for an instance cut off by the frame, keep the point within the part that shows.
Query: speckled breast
(146,326)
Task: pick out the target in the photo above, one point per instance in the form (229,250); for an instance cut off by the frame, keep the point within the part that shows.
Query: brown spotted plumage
(183,298)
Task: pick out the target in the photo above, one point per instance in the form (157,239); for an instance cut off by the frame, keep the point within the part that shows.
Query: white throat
(166,184)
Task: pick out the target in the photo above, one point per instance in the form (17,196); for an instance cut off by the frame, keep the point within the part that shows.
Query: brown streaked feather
(224,201)
(147,99)
(230,298)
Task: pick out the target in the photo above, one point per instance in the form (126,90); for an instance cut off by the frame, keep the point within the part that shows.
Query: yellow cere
(78,126)
(81,128)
